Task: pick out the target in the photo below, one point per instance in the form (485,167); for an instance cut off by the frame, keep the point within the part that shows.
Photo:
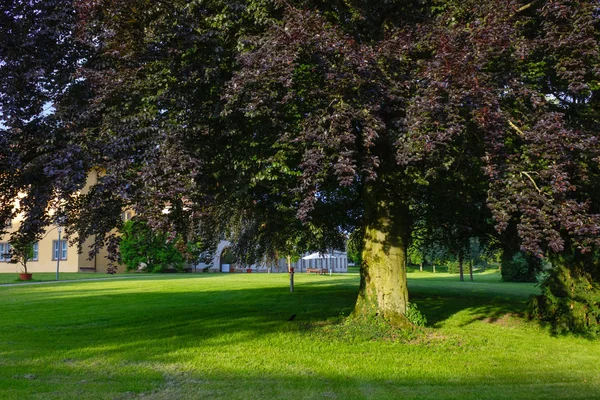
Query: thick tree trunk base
(570,298)
(383,291)
(368,312)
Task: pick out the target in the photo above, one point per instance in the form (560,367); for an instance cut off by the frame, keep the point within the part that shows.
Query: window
(62,250)
(4,252)
(36,252)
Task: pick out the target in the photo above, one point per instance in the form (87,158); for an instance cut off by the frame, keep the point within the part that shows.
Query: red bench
(316,271)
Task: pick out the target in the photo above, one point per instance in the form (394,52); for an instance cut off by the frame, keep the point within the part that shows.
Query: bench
(316,271)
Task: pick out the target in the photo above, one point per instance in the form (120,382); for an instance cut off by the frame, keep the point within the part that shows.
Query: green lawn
(219,336)
(12,278)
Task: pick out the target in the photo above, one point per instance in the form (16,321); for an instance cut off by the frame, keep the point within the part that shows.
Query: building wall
(45,261)
(99,263)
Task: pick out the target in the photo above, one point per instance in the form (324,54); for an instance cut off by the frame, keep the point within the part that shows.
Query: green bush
(415,316)
(453,267)
(521,268)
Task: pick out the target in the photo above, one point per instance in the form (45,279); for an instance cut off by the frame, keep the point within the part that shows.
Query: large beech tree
(288,122)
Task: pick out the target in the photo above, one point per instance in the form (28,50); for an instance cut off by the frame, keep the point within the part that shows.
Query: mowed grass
(227,336)
(13,278)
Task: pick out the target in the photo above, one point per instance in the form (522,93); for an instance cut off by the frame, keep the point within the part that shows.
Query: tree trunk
(460,267)
(383,291)
(471,269)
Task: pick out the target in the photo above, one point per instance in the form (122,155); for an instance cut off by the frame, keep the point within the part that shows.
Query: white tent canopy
(336,261)
(317,256)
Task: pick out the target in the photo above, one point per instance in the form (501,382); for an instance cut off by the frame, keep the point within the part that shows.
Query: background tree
(354,247)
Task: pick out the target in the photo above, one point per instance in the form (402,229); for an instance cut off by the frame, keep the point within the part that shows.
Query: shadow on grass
(224,316)
(306,381)
(440,297)
(153,314)
(246,308)
(438,309)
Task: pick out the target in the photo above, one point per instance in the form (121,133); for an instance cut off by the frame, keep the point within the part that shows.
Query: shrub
(453,267)
(521,268)
(415,316)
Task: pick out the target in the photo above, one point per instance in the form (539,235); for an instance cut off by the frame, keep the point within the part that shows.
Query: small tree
(417,250)
(21,252)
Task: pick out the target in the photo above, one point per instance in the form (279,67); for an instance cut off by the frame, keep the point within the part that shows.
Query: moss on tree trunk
(383,290)
(570,295)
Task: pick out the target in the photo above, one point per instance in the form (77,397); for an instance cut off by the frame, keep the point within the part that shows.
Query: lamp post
(58,251)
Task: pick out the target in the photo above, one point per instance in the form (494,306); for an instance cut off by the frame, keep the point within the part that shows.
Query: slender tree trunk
(471,269)
(460,267)
(383,290)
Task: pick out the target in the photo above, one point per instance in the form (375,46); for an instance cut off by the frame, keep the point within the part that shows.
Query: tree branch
(523,8)
(516,128)
(532,181)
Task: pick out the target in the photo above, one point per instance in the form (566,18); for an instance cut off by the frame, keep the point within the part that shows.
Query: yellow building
(49,251)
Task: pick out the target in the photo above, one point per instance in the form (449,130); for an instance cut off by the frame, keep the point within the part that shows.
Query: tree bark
(460,267)
(383,291)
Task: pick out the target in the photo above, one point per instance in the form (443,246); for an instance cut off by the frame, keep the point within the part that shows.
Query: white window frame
(36,251)
(5,252)
(63,250)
